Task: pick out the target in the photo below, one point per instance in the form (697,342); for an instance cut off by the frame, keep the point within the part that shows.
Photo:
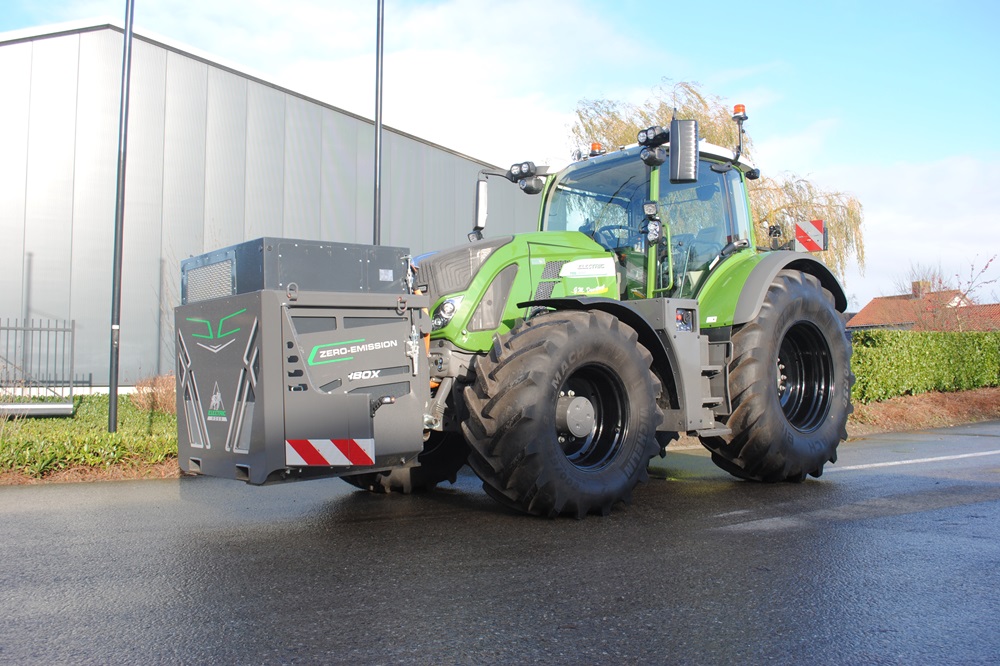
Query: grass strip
(39,446)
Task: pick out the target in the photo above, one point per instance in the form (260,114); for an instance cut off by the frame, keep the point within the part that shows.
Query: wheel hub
(591,417)
(575,415)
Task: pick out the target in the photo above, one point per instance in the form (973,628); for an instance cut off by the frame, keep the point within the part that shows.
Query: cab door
(697,224)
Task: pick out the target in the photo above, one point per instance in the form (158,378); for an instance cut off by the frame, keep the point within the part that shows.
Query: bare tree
(939,302)
(780,200)
(932,278)
(922,277)
(977,279)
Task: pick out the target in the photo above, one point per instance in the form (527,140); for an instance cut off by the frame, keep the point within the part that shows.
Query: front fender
(663,361)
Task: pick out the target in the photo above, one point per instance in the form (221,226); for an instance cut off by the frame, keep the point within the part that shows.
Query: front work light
(653,157)
(532,185)
(654,136)
(521,170)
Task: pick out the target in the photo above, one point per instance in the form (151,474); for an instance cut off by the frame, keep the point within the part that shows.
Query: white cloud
(798,152)
(927,213)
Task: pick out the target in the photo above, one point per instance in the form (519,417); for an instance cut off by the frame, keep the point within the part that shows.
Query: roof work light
(654,136)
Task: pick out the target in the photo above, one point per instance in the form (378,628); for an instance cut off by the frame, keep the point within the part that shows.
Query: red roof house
(924,310)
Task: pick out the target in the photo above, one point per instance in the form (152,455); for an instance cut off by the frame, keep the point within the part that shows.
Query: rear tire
(563,415)
(444,454)
(790,383)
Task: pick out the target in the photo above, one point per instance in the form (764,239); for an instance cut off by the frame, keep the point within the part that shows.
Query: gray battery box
(290,380)
(296,265)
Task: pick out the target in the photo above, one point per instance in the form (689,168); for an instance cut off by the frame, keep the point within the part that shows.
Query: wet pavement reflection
(870,565)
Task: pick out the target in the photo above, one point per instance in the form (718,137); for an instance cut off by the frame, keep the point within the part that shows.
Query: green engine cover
(522,268)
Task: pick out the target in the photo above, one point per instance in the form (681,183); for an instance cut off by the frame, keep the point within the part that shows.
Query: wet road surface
(893,557)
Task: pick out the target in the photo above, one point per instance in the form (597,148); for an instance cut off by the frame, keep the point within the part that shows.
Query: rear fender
(763,274)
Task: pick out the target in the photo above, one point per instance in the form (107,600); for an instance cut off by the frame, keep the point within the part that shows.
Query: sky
(895,103)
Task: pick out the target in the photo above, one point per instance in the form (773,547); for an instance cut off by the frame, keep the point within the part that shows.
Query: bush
(887,364)
(156,394)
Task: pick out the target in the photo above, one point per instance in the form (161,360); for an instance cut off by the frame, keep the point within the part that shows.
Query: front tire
(444,454)
(563,415)
(790,382)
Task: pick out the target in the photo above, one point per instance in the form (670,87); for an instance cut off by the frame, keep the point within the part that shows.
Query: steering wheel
(607,237)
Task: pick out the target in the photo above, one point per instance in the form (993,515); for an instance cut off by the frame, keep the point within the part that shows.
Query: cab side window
(698,224)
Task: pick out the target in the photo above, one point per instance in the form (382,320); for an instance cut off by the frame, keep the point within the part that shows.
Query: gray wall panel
(186,118)
(403,172)
(265,161)
(364,190)
(511,210)
(339,177)
(225,158)
(144,211)
(215,158)
(15,82)
(49,191)
(439,218)
(303,166)
(94,197)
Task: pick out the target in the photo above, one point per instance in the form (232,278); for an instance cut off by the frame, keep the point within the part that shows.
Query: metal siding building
(215,157)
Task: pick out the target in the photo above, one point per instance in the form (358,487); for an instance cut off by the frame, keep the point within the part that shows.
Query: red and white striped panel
(809,236)
(329,452)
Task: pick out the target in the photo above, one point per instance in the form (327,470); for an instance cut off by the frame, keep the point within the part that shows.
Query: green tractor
(642,308)
(555,363)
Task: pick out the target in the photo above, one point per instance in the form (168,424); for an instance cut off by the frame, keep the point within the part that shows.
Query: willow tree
(780,200)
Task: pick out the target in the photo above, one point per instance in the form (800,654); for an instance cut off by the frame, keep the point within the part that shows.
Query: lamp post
(116,271)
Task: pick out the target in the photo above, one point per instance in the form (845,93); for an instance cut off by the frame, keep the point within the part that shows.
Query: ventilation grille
(552,269)
(211,281)
(544,290)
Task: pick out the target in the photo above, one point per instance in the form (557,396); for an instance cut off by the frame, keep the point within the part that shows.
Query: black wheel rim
(607,395)
(805,376)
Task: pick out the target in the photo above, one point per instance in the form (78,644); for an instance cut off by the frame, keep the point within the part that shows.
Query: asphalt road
(893,557)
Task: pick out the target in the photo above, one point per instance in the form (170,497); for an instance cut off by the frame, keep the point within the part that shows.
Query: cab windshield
(603,199)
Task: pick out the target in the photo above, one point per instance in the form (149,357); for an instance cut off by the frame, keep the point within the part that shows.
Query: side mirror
(481,206)
(684,151)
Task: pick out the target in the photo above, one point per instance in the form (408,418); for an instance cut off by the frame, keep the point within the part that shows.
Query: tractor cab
(666,234)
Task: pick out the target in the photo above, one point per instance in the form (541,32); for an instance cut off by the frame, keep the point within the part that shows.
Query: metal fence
(36,367)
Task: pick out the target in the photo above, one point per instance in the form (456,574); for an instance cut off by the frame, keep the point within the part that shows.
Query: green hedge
(887,364)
